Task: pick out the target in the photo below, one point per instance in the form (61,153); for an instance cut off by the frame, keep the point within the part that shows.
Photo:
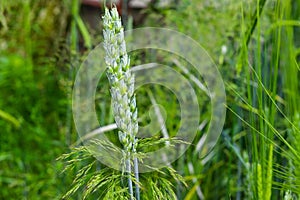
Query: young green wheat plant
(96,181)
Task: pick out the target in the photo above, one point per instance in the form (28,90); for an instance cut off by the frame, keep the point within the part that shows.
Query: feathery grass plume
(89,182)
(107,184)
(122,88)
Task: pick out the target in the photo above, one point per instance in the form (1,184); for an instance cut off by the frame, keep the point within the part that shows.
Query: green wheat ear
(122,89)
(121,80)
(260,190)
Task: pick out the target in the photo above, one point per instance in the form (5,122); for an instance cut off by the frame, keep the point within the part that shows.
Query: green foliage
(31,100)
(107,183)
(259,65)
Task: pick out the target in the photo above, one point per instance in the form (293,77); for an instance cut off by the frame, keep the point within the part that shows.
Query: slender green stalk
(255,19)
(136,174)
(128,169)
(27,34)
(74,33)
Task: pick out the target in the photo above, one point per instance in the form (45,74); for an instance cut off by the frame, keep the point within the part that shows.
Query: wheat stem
(136,174)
